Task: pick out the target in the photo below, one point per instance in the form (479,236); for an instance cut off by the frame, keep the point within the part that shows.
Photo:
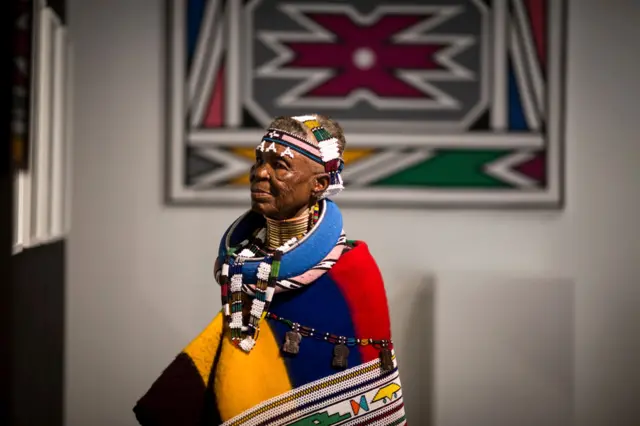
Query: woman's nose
(260,171)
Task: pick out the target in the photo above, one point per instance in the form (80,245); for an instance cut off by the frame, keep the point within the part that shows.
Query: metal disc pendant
(292,341)
(340,357)
(386,359)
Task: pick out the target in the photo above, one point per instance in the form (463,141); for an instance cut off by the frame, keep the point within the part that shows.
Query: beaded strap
(329,337)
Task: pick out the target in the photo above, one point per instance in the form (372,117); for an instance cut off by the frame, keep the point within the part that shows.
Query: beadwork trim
(289,140)
(318,396)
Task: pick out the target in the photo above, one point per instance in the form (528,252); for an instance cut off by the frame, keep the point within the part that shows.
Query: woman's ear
(320,184)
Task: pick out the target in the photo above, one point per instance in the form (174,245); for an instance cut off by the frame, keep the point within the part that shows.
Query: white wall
(140,273)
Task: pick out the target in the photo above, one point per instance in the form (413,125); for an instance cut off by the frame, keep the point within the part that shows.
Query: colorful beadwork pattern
(457,103)
(246,335)
(360,395)
(330,151)
(307,148)
(233,278)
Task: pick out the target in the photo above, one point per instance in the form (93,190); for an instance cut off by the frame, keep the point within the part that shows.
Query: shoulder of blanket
(357,261)
(357,275)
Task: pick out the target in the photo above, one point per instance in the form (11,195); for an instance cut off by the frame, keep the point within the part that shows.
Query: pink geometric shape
(215,111)
(364,56)
(536,168)
(537,10)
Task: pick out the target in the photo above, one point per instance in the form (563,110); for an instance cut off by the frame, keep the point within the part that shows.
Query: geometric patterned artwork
(22,70)
(445,103)
(42,122)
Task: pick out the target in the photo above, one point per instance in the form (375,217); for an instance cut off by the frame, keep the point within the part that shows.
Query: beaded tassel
(314,215)
(273,278)
(232,281)
(245,336)
(224,288)
(336,185)
(257,305)
(236,299)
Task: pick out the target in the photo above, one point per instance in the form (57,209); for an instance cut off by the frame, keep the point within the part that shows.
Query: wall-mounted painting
(23,33)
(42,184)
(448,103)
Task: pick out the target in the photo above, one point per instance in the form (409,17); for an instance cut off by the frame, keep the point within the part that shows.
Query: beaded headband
(325,151)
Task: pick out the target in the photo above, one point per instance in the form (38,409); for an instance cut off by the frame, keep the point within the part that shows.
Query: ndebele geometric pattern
(444,102)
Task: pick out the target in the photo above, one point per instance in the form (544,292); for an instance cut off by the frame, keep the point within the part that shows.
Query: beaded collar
(294,264)
(299,257)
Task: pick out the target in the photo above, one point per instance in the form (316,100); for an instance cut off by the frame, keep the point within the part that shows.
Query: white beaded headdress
(329,152)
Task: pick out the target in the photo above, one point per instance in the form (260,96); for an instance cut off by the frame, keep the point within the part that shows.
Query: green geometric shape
(458,169)
(321,419)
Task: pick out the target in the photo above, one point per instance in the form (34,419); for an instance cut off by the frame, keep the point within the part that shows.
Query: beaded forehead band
(325,151)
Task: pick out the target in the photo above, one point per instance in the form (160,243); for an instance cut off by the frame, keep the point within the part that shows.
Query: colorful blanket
(213,382)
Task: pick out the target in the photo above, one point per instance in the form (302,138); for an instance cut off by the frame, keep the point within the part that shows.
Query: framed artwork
(448,103)
(42,185)
(43,135)
(22,83)
(23,129)
(58,133)
(68,139)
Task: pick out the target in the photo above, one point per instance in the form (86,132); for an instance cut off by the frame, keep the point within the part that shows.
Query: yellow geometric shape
(249,153)
(202,350)
(350,156)
(243,380)
(241,180)
(18,150)
(386,393)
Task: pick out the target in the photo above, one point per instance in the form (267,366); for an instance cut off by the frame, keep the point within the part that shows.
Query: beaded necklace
(244,334)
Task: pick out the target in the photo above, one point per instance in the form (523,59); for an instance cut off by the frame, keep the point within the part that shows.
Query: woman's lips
(258,194)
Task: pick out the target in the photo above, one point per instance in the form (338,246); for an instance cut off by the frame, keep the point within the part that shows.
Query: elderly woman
(303,336)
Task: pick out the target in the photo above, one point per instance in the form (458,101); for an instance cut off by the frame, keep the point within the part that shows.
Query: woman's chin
(262,207)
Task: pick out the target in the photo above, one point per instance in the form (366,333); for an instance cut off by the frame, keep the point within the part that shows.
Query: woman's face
(284,182)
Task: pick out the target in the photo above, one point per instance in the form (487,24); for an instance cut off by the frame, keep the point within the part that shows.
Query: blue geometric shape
(517,120)
(195,11)
(363,403)
(313,362)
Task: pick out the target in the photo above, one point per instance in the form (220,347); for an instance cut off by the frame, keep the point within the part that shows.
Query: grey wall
(140,284)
